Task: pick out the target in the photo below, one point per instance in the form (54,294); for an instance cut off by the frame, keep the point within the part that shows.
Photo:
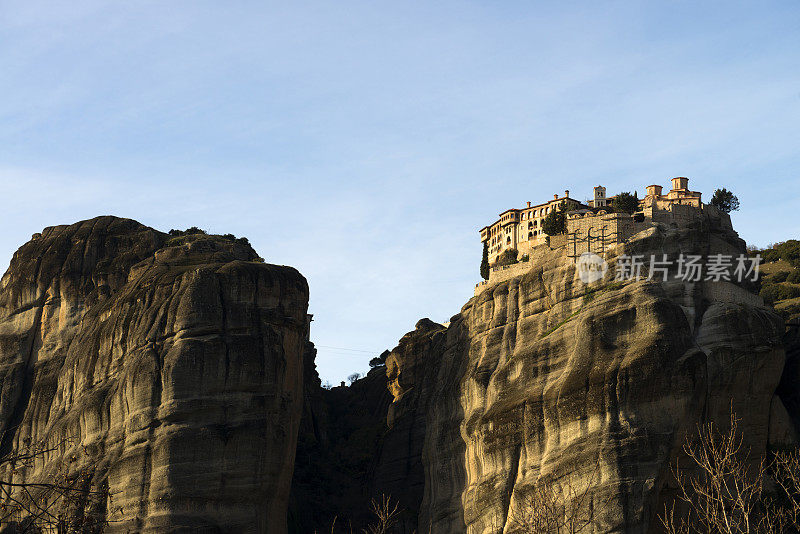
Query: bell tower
(599,196)
(680,183)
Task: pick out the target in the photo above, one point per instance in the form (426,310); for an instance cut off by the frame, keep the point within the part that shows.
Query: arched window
(530,235)
(508,241)
(535,224)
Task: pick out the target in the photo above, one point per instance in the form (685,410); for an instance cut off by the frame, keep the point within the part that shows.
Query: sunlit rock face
(543,377)
(169,372)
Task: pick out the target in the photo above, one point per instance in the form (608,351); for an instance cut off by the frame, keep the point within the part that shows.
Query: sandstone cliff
(167,372)
(175,375)
(542,377)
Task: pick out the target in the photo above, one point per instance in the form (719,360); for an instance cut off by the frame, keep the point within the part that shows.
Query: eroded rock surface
(171,372)
(543,377)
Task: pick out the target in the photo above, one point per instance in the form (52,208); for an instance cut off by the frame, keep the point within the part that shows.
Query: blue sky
(365,143)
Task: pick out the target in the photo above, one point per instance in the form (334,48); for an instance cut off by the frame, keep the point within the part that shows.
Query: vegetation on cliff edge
(780,277)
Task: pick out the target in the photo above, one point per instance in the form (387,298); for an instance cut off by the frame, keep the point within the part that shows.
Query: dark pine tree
(725,200)
(555,222)
(626,202)
(485,261)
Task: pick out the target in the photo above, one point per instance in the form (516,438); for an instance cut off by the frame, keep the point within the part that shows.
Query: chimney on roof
(529,203)
(566,193)
(555,196)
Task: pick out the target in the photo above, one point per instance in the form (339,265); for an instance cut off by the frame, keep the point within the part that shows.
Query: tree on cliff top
(485,261)
(626,202)
(725,200)
(555,223)
(194,230)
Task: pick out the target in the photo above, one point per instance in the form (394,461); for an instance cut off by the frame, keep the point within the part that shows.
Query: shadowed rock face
(341,434)
(172,374)
(545,378)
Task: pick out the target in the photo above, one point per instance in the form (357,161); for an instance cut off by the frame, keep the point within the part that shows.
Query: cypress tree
(555,223)
(485,262)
